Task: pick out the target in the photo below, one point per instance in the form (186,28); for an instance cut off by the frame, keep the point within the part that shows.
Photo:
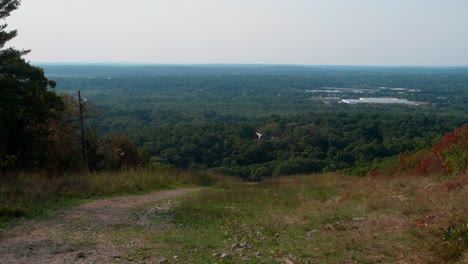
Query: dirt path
(86,234)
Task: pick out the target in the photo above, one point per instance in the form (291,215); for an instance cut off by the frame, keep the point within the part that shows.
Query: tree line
(305,143)
(38,127)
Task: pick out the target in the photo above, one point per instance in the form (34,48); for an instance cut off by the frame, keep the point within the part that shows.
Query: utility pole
(83,140)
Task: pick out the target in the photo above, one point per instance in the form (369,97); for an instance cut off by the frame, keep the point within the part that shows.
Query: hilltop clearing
(325,218)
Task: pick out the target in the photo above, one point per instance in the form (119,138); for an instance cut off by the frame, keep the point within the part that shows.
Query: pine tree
(27,103)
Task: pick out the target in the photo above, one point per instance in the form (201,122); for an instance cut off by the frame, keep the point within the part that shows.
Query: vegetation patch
(38,195)
(318,218)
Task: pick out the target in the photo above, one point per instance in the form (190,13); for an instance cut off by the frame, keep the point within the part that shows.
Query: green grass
(366,221)
(35,195)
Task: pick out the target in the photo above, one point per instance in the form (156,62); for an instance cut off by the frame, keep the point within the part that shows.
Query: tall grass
(36,194)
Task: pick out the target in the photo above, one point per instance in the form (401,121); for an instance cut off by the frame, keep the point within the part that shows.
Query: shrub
(453,150)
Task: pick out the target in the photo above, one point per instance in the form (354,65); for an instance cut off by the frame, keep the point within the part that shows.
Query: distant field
(239,89)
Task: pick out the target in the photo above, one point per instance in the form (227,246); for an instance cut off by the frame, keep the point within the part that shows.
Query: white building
(378,101)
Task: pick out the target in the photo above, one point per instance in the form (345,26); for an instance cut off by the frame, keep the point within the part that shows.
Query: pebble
(249,246)
(334,199)
(359,219)
(311,233)
(163,260)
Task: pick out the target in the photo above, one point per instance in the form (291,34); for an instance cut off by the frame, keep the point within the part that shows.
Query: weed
(455,242)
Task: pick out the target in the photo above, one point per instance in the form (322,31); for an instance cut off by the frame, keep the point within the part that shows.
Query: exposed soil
(86,234)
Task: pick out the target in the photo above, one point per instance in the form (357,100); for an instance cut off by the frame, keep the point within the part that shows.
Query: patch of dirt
(84,234)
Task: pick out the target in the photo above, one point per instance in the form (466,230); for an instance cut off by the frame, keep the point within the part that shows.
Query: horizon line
(241,64)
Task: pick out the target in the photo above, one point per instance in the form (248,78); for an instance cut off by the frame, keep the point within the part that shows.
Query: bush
(453,150)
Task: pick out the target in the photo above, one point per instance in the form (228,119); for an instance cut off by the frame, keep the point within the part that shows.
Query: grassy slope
(303,219)
(37,195)
(319,219)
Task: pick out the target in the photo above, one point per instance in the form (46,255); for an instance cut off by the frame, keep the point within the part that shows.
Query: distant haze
(317,32)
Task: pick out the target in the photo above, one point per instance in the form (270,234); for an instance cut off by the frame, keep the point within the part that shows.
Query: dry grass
(327,219)
(37,194)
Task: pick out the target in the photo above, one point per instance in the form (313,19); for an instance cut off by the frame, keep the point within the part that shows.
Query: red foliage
(430,164)
(408,162)
(374,173)
(440,159)
(459,138)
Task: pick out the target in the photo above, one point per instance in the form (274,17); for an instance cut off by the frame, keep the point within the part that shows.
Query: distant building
(378,101)
(263,137)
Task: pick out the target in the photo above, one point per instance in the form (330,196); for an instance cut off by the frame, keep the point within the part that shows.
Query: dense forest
(208,116)
(246,120)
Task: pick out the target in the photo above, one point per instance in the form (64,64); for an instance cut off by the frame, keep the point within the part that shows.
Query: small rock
(429,185)
(311,233)
(80,255)
(163,260)
(402,198)
(258,253)
(359,219)
(235,245)
(175,257)
(334,199)
(288,261)
(249,246)
(225,255)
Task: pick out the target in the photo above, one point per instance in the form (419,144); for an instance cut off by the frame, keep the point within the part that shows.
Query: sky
(311,32)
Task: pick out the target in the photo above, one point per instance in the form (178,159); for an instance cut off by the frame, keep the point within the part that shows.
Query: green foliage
(455,242)
(455,234)
(207,116)
(307,143)
(453,150)
(27,104)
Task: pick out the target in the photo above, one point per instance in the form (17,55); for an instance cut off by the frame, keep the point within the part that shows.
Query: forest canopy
(207,116)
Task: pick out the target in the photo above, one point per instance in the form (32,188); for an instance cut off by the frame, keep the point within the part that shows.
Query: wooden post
(83,139)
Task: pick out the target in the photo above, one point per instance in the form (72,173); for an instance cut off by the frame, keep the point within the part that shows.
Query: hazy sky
(318,32)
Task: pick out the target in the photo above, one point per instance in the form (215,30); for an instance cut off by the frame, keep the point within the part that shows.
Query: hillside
(302,219)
